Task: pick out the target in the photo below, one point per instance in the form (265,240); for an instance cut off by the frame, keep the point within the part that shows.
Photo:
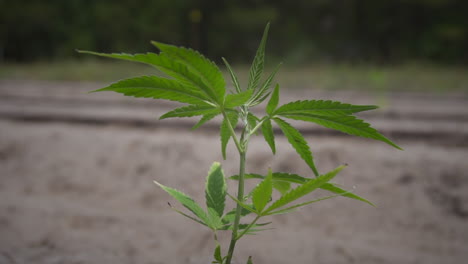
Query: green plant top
(197,82)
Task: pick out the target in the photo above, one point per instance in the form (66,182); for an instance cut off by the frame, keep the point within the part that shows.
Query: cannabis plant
(198,82)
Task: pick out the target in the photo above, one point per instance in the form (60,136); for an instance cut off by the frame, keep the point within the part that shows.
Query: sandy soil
(83,193)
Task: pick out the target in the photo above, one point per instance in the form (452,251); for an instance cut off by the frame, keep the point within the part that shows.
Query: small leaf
(217,254)
(230,217)
(215,190)
(304,189)
(252,120)
(292,208)
(234,78)
(187,202)
(261,195)
(204,119)
(234,100)
(274,99)
(249,261)
(191,110)
(347,124)
(298,142)
(267,131)
(264,91)
(321,107)
(243,205)
(256,69)
(225,132)
(334,189)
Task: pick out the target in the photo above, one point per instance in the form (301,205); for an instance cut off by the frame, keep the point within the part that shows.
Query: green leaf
(252,120)
(347,124)
(188,216)
(282,186)
(243,205)
(263,92)
(210,74)
(334,189)
(234,100)
(292,208)
(273,103)
(191,110)
(249,261)
(267,131)
(158,88)
(321,107)
(225,132)
(171,67)
(234,78)
(214,220)
(261,195)
(298,142)
(215,190)
(187,202)
(230,216)
(279,177)
(217,254)
(304,189)
(204,119)
(258,63)
(147,58)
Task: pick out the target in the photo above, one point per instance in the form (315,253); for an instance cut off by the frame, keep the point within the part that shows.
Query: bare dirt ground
(76,174)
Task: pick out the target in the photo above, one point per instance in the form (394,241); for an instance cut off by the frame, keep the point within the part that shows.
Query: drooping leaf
(273,103)
(191,110)
(304,189)
(321,107)
(215,189)
(210,74)
(261,195)
(158,88)
(225,132)
(234,100)
(347,124)
(267,131)
(258,63)
(204,119)
(298,142)
(235,80)
(187,202)
(262,93)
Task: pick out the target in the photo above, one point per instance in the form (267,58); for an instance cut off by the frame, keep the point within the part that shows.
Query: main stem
(240,197)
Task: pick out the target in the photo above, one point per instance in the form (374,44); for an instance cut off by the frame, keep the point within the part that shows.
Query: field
(76,174)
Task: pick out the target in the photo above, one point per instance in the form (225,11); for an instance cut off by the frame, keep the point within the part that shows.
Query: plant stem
(240,197)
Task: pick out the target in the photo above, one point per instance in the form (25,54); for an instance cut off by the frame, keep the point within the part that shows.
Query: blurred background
(76,169)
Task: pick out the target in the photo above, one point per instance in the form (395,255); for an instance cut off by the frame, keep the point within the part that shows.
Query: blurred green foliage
(385,31)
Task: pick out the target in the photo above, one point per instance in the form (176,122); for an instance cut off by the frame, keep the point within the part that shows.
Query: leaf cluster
(198,83)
